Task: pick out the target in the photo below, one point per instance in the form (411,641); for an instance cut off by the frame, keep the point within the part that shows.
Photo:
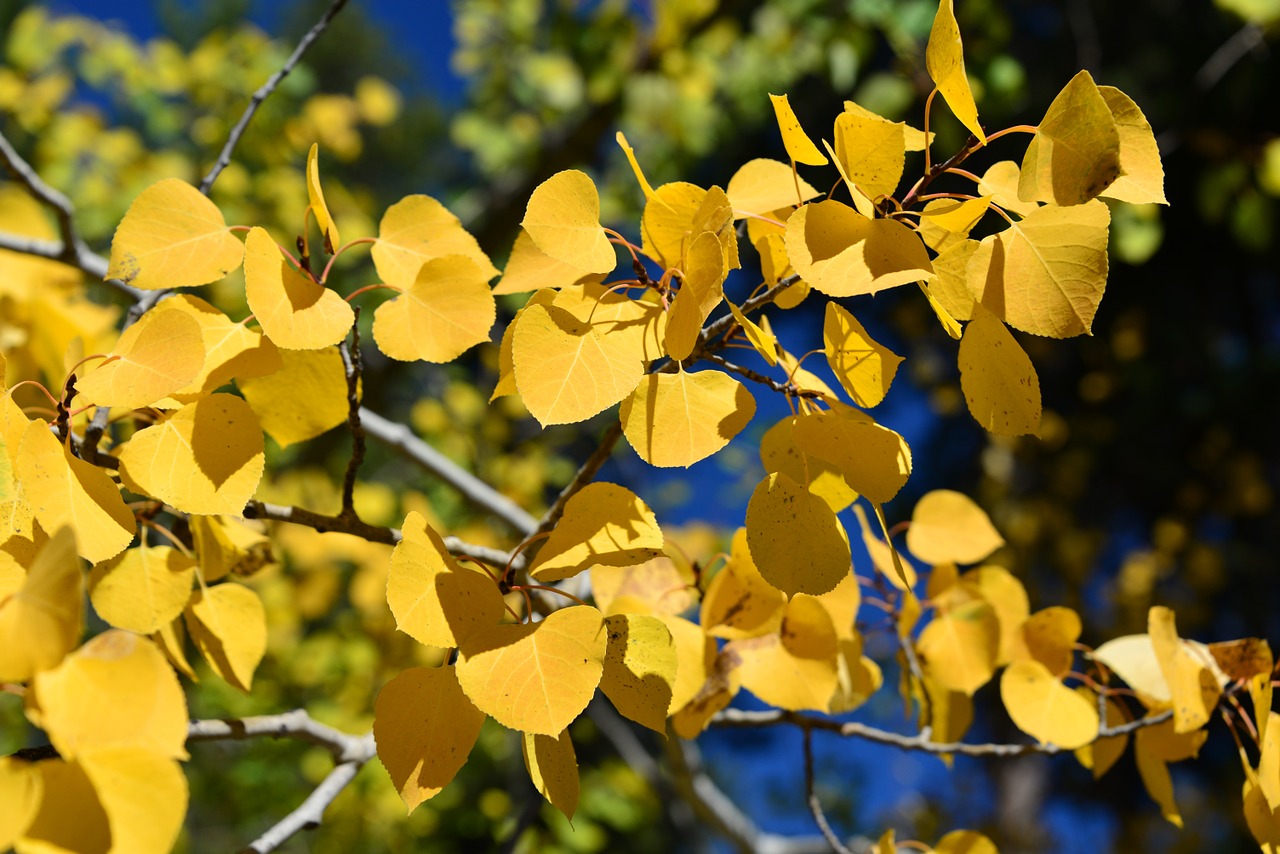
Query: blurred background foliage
(1154,480)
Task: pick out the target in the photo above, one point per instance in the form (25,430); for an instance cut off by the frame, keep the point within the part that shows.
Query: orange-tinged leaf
(862,365)
(779,453)
(535,677)
(1141,178)
(42,621)
(228,625)
(553,769)
(843,253)
(800,147)
(795,539)
(21,787)
(999,382)
(318,207)
(293,311)
(874,460)
(1045,709)
(435,600)
(679,419)
(172,237)
(1193,688)
(945,223)
(231,351)
(64,490)
(144,795)
(445,312)
(1133,659)
(207,457)
(739,603)
(639,668)
(305,398)
(948,527)
(529,268)
(602,524)
(563,219)
(413,231)
(959,647)
(142,589)
(796,668)
(425,728)
(1101,755)
(154,357)
(117,690)
(1075,153)
(871,152)
(944,59)
(762,186)
(700,292)
(70,817)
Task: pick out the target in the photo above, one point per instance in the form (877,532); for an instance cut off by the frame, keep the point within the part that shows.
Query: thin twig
(815,805)
(788,388)
(352,367)
(264,92)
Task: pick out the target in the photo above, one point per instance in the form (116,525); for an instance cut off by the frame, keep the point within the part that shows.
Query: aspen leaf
(435,600)
(695,657)
(144,795)
(416,229)
(762,186)
(863,366)
(965,842)
(154,357)
(874,460)
(1263,821)
(304,399)
(172,236)
(794,538)
(535,677)
(65,490)
(945,320)
(945,223)
(843,253)
(563,219)
(226,546)
(887,843)
(424,727)
(639,668)
(800,147)
(602,524)
(42,621)
(1156,746)
(1269,760)
(293,311)
(999,382)
(1193,689)
(700,292)
(739,603)
(637,324)
(316,197)
(529,268)
(871,152)
(796,668)
(445,312)
(1009,598)
(857,677)
(1049,636)
(664,586)
(1045,709)
(228,625)
(553,769)
(1133,659)
(1101,755)
(948,527)
(1075,153)
(763,342)
(142,589)
(944,59)
(1000,182)
(117,690)
(230,351)
(779,453)
(950,284)
(1141,178)
(506,384)
(679,419)
(565,370)
(949,713)
(861,201)
(802,379)
(645,186)
(172,639)
(960,646)
(715,214)
(70,816)
(881,555)
(207,457)
(21,787)
(666,228)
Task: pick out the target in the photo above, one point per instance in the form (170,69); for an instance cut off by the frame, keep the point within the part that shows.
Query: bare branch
(815,805)
(264,92)
(352,367)
(789,389)
(310,812)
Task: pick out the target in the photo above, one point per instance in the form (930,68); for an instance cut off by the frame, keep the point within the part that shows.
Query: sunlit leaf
(1141,178)
(1133,659)
(445,312)
(529,268)
(800,147)
(871,152)
(228,625)
(1075,153)
(553,769)
(1045,709)
(999,382)
(563,219)
(295,312)
(739,603)
(795,539)
(42,621)
(602,524)
(944,59)
(142,589)
(843,253)
(154,357)
(1100,756)
(948,527)
(21,787)
(944,223)
(779,453)
(796,668)
(1193,689)
(761,186)
(412,232)
(231,351)
(318,207)
(960,646)
(639,668)
(862,365)
(305,398)
(1049,636)
(679,419)
(875,461)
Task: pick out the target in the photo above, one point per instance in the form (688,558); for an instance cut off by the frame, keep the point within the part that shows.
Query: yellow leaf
(206,458)
(639,669)
(154,357)
(1102,754)
(448,310)
(306,397)
(565,370)
(42,621)
(1155,747)
(1007,595)
(1133,659)
(700,292)
(795,539)
(948,527)
(1141,178)
(1193,689)
(1075,153)
(763,342)
(863,366)
(563,219)
(506,384)
(718,691)
(800,147)
(64,490)
(20,274)
(1269,760)
(1263,821)
(871,152)
(999,382)
(70,817)
(425,728)
(529,268)
(172,640)
(21,787)
(739,603)
(959,647)
(882,555)
(665,586)
(142,589)
(630,152)
(802,379)
(695,657)
(117,690)
(172,237)
(535,677)
(1000,182)
(762,186)
(842,253)
(435,600)
(965,842)
(295,312)
(413,231)
(944,223)
(636,323)
(715,214)
(950,285)
(945,320)
(944,59)
(228,625)
(316,197)
(231,351)
(144,795)
(666,229)
(779,453)
(797,668)
(602,524)
(1049,637)
(679,419)
(949,713)
(1045,709)
(887,844)
(553,768)
(857,677)
(842,605)
(874,460)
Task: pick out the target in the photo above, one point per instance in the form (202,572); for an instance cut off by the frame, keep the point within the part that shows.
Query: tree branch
(351,366)
(815,805)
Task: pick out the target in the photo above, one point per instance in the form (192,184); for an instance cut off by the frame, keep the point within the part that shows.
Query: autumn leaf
(295,312)
(678,419)
(563,219)
(603,523)
(800,147)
